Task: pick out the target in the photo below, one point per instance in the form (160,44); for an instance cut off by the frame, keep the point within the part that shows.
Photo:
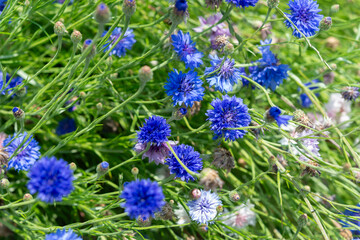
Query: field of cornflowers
(205,119)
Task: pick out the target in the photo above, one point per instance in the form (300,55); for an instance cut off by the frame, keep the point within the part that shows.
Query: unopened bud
(179,113)
(102,168)
(18,113)
(307,188)
(272,3)
(229,48)
(99,106)
(302,220)
(171,202)
(346,167)
(76,37)
(145,74)
(87,43)
(180,12)
(129,7)
(73,166)
(234,196)
(203,227)
(195,194)
(109,61)
(82,95)
(272,160)
(59,29)
(27,3)
(242,162)
(219,209)
(102,13)
(335,8)
(325,23)
(135,171)
(27,197)
(143,221)
(4,183)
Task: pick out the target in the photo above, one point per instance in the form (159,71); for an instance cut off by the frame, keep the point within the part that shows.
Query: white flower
(338,109)
(242,217)
(182,215)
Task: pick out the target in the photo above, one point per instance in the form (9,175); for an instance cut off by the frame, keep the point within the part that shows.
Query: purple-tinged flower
(26,156)
(156,153)
(304,99)
(63,235)
(66,125)
(62,1)
(338,109)
(269,73)
(142,198)
(242,217)
(222,74)
(189,157)
(155,131)
(350,93)
(274,114)
(230,112)
(310,146)
(52,179)
(203,210)
(243,3)
(185,88)
(186,50)
(217,30)
(123,45)
(352,218)
(305,15)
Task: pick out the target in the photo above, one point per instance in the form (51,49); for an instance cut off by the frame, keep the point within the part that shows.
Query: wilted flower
(210,179)
(350,93)
(166,212)
(223,159)
(242,217)
(182,215)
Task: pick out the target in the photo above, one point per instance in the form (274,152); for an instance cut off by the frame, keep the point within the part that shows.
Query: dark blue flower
(189,157)
(181,5)
(355,219)
(222,73)
(304,99)
(305,15)
(185,48)
(62,1)
(10,84)
(269,73)
(63,235)
(52,179)
(185,88)
(230,112)
(2,5)
(125,43)
(66,125)
(142,198)
(243,3)
(183,111)
(155,131)
(274,114)
(27,155)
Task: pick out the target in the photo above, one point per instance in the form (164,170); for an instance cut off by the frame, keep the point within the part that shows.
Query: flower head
(350,93)
(269,73)
(189,157)
(156,153)
(222,74)
(142,198)
(63,235)
(66,125)
(210,179)
(182,215)
(305,15)
(230,112)
(338,108)
(27,154)
(154,131)
(223,159)
(243,3)
(274,114)
(310,146)
(11,82)
(2,6)
(185,88)
(124,44)
(186,50)
(242,217)
(353,217)
(304,99)
(203,209)
(52,179)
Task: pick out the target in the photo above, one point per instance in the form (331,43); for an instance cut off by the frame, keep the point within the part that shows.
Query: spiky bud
(223,159)
(18,113)
(195,194)
(272,3)
(221,41)
(87,43)
(325,23)
(166,212)
(346,167)
(204,228)
(73,166)
(59,29)
(4,183)
(76,37)
(27,197)
(143,221)
(335,8)
(145,74)
(301,117)
(129,7)
(102,13)
(219,209)
(234,196)
(303,219)
(180,12)
(135,171)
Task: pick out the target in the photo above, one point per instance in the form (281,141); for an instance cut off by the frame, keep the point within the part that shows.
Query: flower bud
(59,29)
(109,61)
(18,113)
(325,23)
(272,160)
(76,37)
(102,13)
(4,183)
(145,74)
(272,3)
(27,197)
(99,106)
(129,7)
(195,194)
(219,209)
(180,12)
(166,212)
(335,8)
(135,171)
(229,48)
(143,221)
(87,43)
(307,188)
(221,41)
(302,220)
(102,168)
(178,113)
(204,228)
(27,3)
(346,167)
(82,95)
(234,196)
(73,166)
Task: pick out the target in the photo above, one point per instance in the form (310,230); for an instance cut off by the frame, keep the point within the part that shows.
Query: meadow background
(108,114)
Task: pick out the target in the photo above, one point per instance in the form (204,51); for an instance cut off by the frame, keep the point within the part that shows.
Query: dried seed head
(301,117)
(4,157)
(221,41)
(213,3)
(166,213)
(223,159)
(311,171)
(210,179)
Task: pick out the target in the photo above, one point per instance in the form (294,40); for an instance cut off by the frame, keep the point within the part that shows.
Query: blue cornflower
(2,5)
(203,209)
(181,5)
(63,235)
(355,219)
(62,1)
(189,157)
(243,3)
(222,73)
(305,15)
(304,99)
(185,88)
(66,125)
(27,154)
(14,81)
(142,198)
(230,112)
(52,179)
(185,48)
(125,43)
(269,73)
(274,114)
(155,131)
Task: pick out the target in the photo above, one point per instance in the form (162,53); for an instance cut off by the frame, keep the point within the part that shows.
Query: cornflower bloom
(63,235)
(274,114)
(243,3)
(203,210)
(126,43)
